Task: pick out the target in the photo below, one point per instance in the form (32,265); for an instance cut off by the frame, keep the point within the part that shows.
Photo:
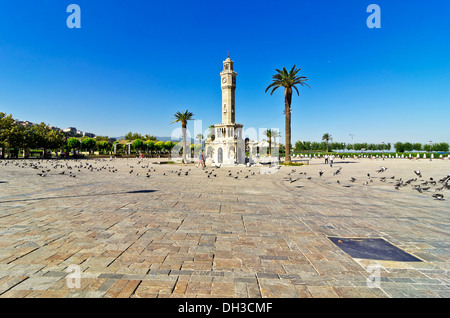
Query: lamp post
(430,148)
(343,150)
(352,142)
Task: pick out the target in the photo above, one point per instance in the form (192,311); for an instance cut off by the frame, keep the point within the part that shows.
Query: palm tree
(327,137)
(183,118)
(269,133)
(200,138)
(288,80)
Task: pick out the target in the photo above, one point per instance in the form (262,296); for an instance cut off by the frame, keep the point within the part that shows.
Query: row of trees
(408,147)
(103,146)
(399,146)
(14,137)
(323,146)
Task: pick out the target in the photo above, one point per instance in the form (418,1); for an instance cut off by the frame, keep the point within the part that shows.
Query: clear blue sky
(133,64)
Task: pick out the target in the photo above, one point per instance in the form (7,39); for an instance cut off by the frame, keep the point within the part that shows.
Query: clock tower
(227,147)
(228,85)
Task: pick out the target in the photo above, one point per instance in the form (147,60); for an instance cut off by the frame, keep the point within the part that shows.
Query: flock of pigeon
(420,184)
(68,167)
(72,167)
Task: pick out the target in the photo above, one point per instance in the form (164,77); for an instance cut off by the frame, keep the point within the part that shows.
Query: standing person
(331,160)
(326,159)
(200,159)
(203,160)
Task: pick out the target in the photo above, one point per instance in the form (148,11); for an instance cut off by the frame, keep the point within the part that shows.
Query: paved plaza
(134,228)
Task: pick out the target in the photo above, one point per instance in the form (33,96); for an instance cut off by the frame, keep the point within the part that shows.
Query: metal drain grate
(372,248)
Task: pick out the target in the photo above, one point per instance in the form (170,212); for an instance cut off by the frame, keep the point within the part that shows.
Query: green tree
(417,146)
(73,143)
(159,146)
(442,146)
(6,125)
(168,145)
(407,146)
(132,136)
(102,145)
(399,147)
(89,144)
(269,133)
(150,145)
(183,117)
(56,139)
(149,137)
(138,145)
(299,146)
(288,80)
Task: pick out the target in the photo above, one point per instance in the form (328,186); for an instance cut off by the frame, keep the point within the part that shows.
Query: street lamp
(430,149)
(343,150)
(352,142)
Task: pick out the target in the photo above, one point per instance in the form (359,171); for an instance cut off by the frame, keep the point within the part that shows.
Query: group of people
(329,159)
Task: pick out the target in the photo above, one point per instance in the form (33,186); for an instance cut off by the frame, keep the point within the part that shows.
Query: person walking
(200,159)
(331,160)
(326,159)
(203,160)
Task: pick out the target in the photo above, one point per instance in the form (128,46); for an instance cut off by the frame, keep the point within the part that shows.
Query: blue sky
(133,64)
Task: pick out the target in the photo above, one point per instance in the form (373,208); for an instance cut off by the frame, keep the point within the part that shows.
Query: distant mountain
(159,138)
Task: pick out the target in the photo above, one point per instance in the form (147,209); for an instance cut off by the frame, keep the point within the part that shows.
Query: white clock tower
(228,79)
(228,147)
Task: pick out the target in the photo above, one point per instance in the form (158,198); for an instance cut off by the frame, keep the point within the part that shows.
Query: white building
(228,147)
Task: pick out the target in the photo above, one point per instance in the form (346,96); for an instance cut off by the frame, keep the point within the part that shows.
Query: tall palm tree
(288,80)
(327,137)
(183,118)
(269,133)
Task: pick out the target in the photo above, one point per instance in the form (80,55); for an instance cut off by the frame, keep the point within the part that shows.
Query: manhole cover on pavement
(372,248)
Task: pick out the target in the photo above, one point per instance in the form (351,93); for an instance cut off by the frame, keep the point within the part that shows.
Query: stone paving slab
(264,235)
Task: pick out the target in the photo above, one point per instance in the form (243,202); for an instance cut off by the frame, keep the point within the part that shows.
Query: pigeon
(320,173)
(352,179)
(418,173)
(382,169)
(438,196)
(418,188)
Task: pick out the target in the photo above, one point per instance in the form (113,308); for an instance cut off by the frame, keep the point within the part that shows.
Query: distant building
(25,123)
(70,130)
(87,134)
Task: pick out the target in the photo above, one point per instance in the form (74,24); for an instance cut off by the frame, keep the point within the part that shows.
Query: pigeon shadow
(82,195)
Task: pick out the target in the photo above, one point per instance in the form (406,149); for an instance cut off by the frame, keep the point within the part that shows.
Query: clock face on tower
(224,80)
